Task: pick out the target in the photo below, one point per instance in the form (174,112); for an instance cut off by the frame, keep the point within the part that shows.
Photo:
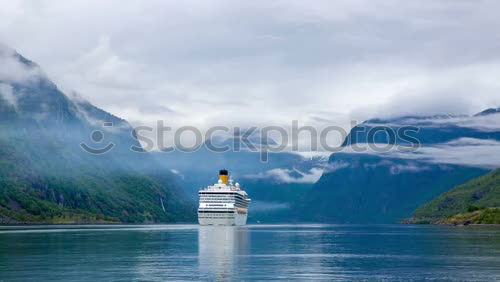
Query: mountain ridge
(477,194)
(45,175)
(383,187)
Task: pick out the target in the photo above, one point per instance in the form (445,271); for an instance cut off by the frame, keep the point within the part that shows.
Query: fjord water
(301,252)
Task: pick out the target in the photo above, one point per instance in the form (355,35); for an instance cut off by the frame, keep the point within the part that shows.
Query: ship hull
(236,219)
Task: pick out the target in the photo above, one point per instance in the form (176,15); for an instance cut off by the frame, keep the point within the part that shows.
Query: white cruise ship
(223,203)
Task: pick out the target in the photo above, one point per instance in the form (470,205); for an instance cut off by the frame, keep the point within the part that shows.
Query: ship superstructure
(223,203)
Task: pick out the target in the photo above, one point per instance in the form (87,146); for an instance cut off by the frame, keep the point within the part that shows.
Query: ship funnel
(223,176)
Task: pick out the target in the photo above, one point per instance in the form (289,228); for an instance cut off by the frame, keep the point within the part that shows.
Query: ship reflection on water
(219,248)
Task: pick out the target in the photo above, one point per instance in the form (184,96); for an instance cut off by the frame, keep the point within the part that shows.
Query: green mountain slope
(476,201)
(45,175)
(66,189)
(374,189)
(383,187)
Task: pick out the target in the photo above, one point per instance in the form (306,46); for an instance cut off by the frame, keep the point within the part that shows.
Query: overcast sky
(245,63)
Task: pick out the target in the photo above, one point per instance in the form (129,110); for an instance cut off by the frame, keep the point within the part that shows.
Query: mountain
(475,198)
(273,185)
(489,112)
(375,189)
(47,177)
(382,186)
(436,129)
(53,127)
(353,187)
(47,174)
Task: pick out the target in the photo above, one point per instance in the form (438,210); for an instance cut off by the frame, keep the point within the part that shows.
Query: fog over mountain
(51,170)
(239,63)
(381,181)
(426,65)
(229,140)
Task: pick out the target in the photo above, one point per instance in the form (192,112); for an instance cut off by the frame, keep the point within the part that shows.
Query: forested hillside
(477,201)
(46,176)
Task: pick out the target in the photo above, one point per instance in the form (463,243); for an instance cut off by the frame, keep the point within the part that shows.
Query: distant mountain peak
(8,53)
(27,93)
(489,111)
(413,117)
(255,139)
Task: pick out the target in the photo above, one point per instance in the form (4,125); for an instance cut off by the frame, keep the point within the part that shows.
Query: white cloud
(239,63)
(268,206)
(463,151)
(283,175)
(408,168)
(488,123)
(177,172)
(10,12)
(334,166)
(103,68)
(397,168)
(13,71)
(475,154)
(472,142)
(7,94)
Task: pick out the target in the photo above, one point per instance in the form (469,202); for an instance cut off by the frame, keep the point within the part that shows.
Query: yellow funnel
(223,176)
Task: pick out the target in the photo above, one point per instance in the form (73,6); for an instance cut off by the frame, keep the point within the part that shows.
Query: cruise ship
(223,203)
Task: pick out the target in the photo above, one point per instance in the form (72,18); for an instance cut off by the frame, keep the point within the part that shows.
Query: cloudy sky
(243,63)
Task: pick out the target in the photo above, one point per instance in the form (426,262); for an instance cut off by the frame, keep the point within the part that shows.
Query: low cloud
(410,168)
(487,123)
(334,166)
(480,153)
(397,168)
(264,63)
(260,206)
(13,71)
(283,175)
(473,142)
(463,151)
(7,94)
(177,172)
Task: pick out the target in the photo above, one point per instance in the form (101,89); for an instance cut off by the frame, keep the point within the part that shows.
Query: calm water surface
(260,252)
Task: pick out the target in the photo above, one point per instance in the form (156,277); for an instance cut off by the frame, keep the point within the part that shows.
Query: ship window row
(239,205)
(217,198)
(220,208)
(223,198)
(222,202)
(215,208)
(218,204)
(215,212)
(219,193)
